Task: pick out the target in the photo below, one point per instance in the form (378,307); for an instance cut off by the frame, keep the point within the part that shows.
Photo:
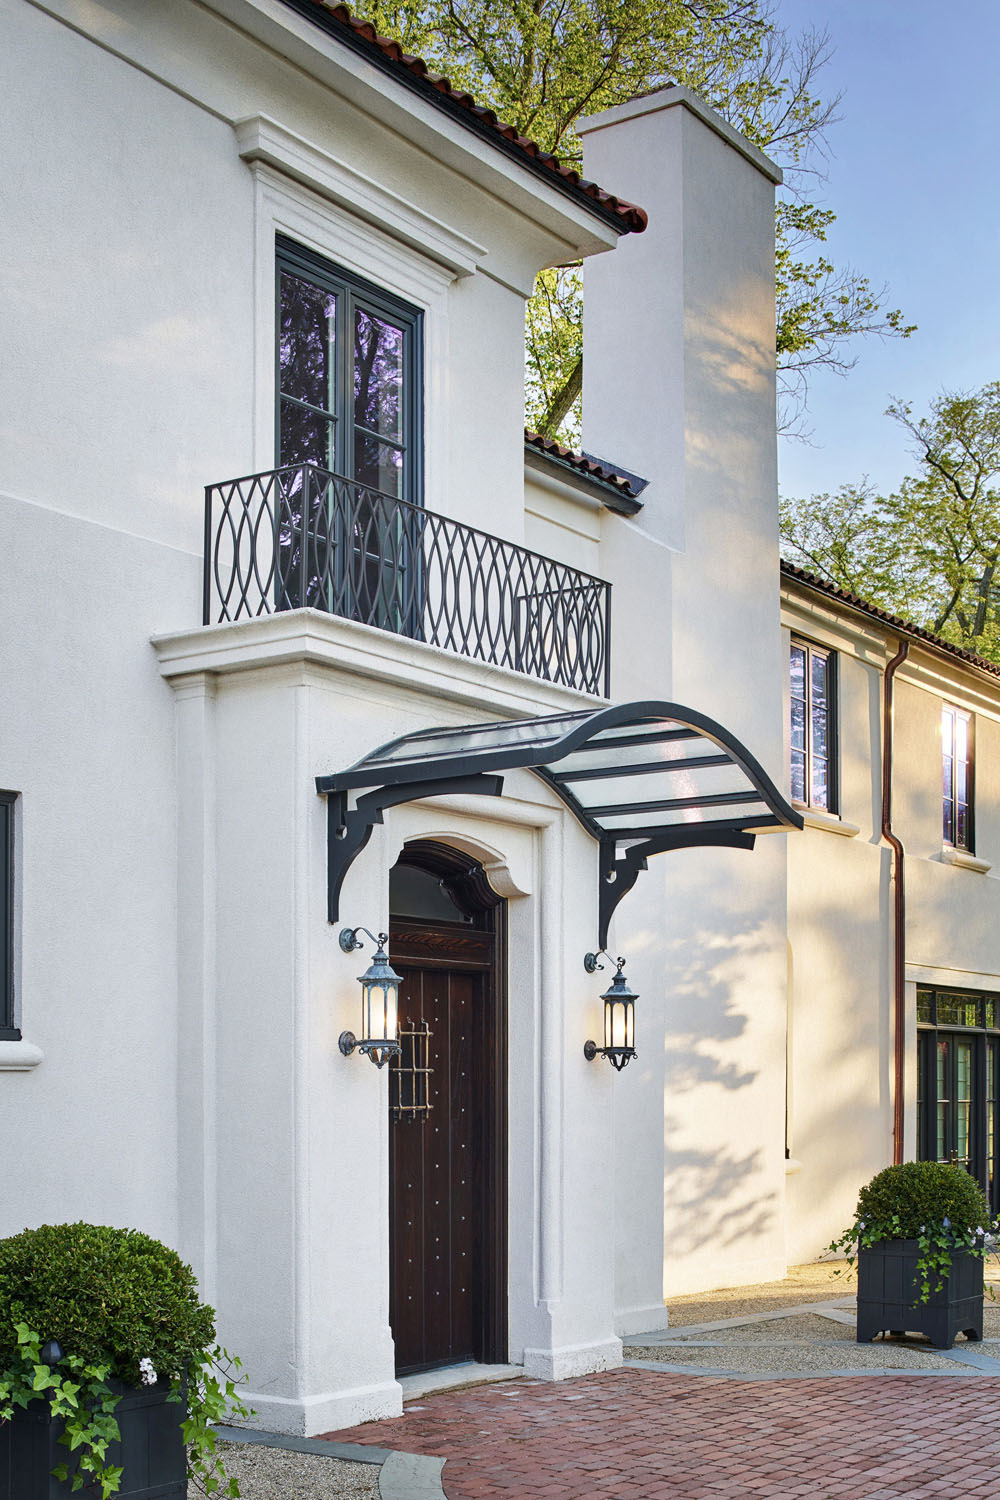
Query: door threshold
(452,1377)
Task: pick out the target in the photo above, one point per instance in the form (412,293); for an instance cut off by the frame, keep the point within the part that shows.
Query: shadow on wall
(718,1054)
(840,1097)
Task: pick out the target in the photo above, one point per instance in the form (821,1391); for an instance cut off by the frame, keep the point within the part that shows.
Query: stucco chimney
(679,387)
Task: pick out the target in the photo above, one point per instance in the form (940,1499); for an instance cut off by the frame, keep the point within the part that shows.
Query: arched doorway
(447,1103)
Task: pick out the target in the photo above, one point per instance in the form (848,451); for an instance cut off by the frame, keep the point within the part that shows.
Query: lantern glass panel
(380,1009)
(619,1023)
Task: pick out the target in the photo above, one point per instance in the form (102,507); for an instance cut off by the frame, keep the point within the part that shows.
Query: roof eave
(891,624)
(623,218)
(610,495)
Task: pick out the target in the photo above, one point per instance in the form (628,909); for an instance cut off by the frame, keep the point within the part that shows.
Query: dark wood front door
(447,1178)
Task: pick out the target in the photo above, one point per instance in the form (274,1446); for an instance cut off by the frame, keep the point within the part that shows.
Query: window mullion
(809,725)
(346,456)
(977,1124)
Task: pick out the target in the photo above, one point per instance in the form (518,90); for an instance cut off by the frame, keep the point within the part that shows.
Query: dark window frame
(354,291)
(949,820)
(829,654)
(984,1035)
(8,1031)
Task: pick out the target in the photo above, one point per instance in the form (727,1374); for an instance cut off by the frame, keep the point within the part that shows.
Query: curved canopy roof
(641,778)
(631,771)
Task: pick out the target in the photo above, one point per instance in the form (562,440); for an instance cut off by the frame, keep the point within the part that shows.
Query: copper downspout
(898,908)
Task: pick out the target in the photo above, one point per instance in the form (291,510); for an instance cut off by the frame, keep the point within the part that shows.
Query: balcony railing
(300,536)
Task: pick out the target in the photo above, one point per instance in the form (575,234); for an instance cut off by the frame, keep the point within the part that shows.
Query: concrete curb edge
(402,1476)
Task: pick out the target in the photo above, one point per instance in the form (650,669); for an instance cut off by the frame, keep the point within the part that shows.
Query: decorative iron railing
(300,536)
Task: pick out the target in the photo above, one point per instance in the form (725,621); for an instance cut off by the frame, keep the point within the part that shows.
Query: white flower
(147,1371)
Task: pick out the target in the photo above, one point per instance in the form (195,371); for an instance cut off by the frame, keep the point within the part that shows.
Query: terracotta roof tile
(894,622)
(626,217)
(627,485)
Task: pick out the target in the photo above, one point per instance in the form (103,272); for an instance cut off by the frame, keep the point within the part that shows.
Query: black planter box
(888,1291)
(151,1450)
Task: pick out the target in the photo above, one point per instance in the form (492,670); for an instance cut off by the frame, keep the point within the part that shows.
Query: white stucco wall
(679,387)
(174,982)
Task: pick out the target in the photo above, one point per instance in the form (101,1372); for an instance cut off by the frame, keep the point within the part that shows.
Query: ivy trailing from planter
(112,1306)
(935,1203)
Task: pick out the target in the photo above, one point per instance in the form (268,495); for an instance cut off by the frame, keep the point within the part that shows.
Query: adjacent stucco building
(858,957)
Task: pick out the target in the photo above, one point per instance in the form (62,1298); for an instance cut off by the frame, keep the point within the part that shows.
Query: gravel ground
(759,1358)
(814,1283)
(798,1341)
(777,1330)
(276,1474)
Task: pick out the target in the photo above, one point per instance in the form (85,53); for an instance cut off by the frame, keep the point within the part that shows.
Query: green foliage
(544,64)
(111,1296)
(939,1205)
(918,1193)
(124,1308)
(78,1392)
(930,551)
(210,1391)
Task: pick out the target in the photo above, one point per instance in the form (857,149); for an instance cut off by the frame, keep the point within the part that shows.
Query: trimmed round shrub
(112,1296)
(922,1195)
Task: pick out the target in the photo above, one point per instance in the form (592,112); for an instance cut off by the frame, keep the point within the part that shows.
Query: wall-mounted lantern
(619,1016)
(379,1008)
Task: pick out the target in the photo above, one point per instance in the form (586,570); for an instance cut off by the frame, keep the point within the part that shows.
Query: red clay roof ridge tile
(595,468)
(895,622)
(628,218)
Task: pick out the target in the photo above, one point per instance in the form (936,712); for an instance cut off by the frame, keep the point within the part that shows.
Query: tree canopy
(929,551)
(544,64)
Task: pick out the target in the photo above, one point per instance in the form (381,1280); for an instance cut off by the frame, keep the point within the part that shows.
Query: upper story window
(813,673)
(956,766)
(348,376)
(8,1031)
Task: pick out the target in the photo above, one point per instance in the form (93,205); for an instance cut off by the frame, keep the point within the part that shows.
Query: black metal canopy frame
(640,777)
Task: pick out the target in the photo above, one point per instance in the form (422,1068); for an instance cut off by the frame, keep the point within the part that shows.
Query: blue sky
(914,178)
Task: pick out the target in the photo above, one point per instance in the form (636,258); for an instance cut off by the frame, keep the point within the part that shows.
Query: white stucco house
(301,635)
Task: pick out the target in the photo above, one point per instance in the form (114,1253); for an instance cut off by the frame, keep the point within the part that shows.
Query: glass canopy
(640,777)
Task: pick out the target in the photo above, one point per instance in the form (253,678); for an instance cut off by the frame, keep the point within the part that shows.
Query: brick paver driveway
(658,1436)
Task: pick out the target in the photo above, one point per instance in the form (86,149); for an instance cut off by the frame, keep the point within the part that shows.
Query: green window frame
(957,768)
(8,1031)
(958,1070)
(813,725)
(348,375)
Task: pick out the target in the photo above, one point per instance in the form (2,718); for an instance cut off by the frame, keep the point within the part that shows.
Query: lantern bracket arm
(619,872)
(348,829)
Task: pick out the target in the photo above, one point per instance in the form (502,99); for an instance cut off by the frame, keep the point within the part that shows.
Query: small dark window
(417,894)
(8,1031)
(956,767)
(813,725)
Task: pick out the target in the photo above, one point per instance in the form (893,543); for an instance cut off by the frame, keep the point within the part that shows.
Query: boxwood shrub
(110,1296)
(919,1196)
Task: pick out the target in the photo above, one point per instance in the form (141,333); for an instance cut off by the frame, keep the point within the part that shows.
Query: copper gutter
(898,907)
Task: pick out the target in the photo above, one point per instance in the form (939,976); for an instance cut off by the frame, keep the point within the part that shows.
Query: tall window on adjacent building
(348,376)
(958,1041)
(813,728)
(8,1031)
(956,764)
